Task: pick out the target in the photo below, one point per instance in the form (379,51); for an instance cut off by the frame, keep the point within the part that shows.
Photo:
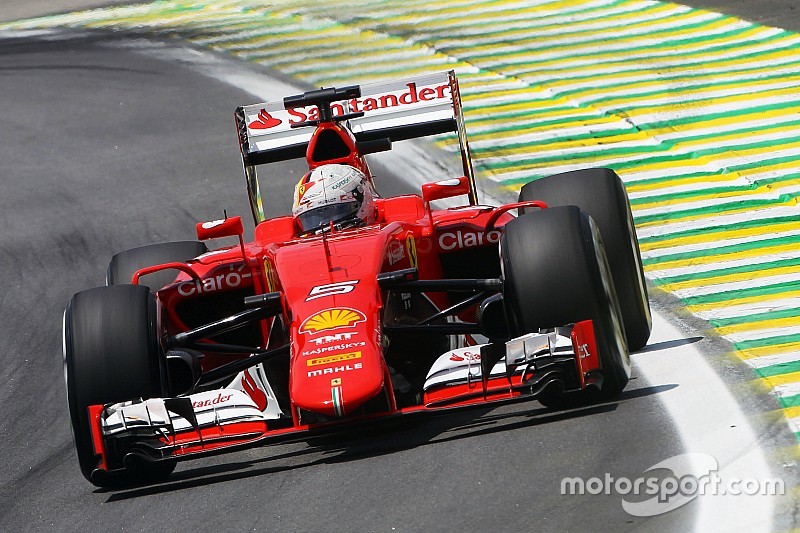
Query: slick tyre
(601,194)
(555,272)
(125,264)
(111,354)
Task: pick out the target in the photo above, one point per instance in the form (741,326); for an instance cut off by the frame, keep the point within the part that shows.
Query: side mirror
(445,189)
(228,227)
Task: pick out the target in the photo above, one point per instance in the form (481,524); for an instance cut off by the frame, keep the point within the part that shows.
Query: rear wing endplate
(396,110)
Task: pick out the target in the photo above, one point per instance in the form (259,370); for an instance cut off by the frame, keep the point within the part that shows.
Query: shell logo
(331,319)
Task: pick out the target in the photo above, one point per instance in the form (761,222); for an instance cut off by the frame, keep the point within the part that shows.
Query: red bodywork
(330,284)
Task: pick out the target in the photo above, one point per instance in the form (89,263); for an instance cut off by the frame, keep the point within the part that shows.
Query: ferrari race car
(188,351)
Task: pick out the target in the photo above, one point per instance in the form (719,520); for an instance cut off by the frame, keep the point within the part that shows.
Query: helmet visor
(319,217)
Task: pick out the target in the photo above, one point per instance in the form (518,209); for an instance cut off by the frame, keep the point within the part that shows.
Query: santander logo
(209,402)
(410,95)
(467,356)
(264,121)
(254,391)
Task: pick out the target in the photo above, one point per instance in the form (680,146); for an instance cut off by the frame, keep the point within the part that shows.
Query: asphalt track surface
(105,149)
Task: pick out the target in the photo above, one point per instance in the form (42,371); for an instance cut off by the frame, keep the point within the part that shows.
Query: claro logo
(456,240)
(215,282)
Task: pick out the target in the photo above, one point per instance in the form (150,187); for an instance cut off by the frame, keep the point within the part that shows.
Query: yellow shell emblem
(331,319)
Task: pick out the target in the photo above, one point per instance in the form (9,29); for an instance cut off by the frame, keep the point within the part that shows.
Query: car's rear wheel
(112,353)
(601,194)
(124,264)
(555,273)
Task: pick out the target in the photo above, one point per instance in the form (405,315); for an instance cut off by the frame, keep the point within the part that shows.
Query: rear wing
(396,110)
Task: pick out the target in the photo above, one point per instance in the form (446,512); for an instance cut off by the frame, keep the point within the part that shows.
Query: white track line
(710,421)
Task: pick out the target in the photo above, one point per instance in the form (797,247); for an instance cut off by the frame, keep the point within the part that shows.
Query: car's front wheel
(112,353)
(555,273)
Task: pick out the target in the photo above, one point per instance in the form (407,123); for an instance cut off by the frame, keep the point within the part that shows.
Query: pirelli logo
(338,358)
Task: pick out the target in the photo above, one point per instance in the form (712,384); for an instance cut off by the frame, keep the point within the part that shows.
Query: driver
(338,194)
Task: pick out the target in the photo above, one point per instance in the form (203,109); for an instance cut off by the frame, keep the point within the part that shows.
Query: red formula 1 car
(317,324)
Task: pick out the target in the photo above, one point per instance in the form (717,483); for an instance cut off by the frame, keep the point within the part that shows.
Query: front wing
(219,420)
